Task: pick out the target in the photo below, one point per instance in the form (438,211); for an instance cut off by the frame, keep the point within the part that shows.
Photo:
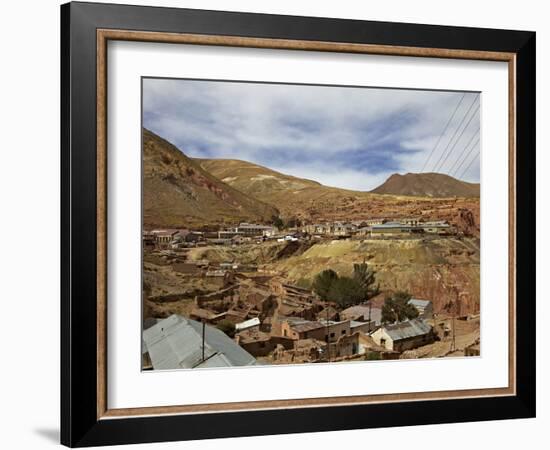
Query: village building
(148,240)
(230,233)
(424,308)
(180,343)
(410,221)
(343,229)
(362,327)
(368,345)
(163,238)
(344,346)
(318,228)
(193,237)
(363,231)
(437,227)
(251,229)
(250,324)
(373,221)
(259,343)
(395,229)
(363,313)
(322,330)
(403,336)
(328,313)
(303,351)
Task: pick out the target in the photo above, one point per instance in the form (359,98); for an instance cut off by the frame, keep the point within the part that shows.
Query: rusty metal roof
(408,329)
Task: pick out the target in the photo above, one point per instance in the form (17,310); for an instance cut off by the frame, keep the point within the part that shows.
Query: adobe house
(363,313)
(322,330)
(164,237)
(403,336)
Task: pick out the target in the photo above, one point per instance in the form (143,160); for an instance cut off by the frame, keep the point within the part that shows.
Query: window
(331,335)
(382,341)
(343,331)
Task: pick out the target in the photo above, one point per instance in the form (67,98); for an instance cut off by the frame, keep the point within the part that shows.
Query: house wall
(266,346)
(334,331)
(364,328)
(382,338)
(408,344)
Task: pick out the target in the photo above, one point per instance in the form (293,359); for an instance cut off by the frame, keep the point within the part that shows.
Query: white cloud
(346,137)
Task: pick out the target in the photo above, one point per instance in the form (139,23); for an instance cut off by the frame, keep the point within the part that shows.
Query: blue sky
(346,137)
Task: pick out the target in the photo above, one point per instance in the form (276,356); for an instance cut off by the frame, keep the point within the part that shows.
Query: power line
(444,131)
(447,154)
(454,135)
(464,151)
(465,158)
(458,140)
(469,165)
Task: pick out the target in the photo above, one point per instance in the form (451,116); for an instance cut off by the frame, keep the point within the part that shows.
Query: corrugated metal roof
(306,326)
(248,324)
(407,329)
(363,310)
(419,303)
(176,343)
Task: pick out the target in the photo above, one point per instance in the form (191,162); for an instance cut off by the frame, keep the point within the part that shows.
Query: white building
(403,336)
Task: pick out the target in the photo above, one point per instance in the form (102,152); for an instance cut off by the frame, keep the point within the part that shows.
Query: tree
(227,327)
(366,277)
(322,283)
(396,308)
(346,291)
(277,222)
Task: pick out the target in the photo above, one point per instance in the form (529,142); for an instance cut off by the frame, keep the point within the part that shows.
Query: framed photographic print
(276,224)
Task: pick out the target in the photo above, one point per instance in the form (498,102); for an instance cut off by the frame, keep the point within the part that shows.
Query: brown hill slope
(312,202)
(291,195)
(178,192)
(252,178)
(427,185)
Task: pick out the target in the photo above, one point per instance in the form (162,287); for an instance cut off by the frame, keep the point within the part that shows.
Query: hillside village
(207,311)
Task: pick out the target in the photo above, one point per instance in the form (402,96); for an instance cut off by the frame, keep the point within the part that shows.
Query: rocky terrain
(443,270)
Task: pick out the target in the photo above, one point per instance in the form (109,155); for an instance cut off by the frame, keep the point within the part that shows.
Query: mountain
(293,196)
(427,185)
(178,192)
(313,202)
(252,178)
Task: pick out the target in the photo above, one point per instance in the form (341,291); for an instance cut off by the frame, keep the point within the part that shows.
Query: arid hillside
(313,202)
(427,185)
(178,192)
(443,270)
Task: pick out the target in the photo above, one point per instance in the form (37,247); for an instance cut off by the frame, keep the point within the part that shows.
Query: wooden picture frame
(86,418)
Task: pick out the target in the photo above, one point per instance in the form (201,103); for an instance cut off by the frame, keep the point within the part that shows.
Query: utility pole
(203,335)
(453,343)
(328,335)
(370,309)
